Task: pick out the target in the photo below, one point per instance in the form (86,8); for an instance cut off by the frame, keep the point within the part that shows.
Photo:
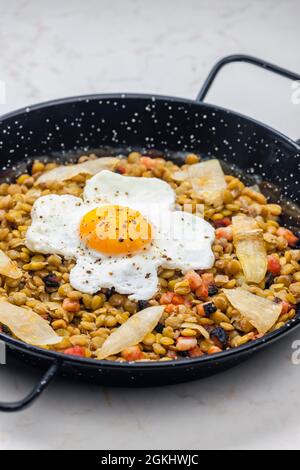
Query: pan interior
(64,130)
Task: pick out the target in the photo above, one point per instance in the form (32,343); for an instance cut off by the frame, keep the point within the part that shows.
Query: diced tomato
(200,310)
(148,162)
(202,291)
(274,265)
(188,303)
(208,278)
(196,352)
(214,350)
(71,305)
(170,308)
(185,343)
(224,232)
(288,235)
(166,298)
(132,353)
(286,307)
(120,169)
(178,299)
(258,336)
(75,351)
(194,279)
(222,222)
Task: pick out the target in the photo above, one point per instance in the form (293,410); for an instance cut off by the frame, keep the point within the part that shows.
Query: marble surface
(53,49)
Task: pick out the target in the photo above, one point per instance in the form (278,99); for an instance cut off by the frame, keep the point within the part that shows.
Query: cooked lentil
(85,321)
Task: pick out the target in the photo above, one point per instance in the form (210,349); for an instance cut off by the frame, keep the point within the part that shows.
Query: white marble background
(51,49)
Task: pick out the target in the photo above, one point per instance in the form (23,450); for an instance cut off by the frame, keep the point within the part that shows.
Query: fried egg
(120,233)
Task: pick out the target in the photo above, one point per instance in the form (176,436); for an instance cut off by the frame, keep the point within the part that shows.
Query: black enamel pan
(151,122)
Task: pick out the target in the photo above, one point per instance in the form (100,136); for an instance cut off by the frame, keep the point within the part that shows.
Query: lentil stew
(198,319)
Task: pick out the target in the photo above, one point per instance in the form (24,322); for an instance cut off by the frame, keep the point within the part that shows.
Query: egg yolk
(115,230)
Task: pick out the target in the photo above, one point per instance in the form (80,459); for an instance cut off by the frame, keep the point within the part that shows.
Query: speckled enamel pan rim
(75,360)
(150,97)
(205,360)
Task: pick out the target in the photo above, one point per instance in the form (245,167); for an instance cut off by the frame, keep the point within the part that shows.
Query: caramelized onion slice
(90,167)
(250,247)
(181,175)
(8,267)
(207,180)
(132,332)
(27,325)
(260,312)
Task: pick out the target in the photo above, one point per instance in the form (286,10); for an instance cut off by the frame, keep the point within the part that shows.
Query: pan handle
(242,58)
(35,393)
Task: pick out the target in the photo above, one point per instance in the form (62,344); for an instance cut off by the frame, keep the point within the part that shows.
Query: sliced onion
(90,167)
(250,248)
(260,312)
(207,180)
(8,267)
(132,332)
(181,175)
(27,325)
(195,326)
